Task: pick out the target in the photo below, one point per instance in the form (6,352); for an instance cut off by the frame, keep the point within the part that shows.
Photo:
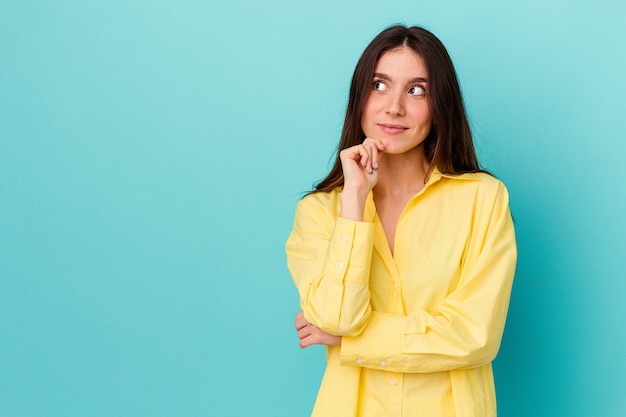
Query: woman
(404,254)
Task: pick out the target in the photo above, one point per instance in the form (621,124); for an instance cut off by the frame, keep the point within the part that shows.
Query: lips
(392,128)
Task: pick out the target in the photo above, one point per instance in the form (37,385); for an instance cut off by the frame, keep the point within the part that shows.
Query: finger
(304,332)
(354,152)
(361,154)
(308,341)
(300,321)
(377,147)
(364,158)
(372,151)
(378,143)
(365,151)
(375,157)
(353,157)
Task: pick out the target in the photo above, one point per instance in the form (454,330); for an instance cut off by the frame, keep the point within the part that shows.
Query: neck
(403,174)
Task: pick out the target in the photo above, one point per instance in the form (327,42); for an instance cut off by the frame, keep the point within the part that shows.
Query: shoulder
(319,207)
(320,200)
(476,179)
(484,198)
(483,186)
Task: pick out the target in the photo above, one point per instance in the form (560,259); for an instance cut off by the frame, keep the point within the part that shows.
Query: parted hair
(449,145)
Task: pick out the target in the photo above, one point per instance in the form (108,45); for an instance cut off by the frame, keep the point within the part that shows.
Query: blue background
(152,152)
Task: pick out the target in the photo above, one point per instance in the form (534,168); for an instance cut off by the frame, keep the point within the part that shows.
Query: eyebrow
(411,81)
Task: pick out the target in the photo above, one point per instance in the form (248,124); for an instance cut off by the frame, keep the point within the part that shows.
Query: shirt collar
(436,175)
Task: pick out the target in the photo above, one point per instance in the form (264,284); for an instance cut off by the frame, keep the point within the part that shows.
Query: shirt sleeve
(467,327)
(329,259)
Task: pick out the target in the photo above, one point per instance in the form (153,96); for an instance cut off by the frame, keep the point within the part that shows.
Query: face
(397,111)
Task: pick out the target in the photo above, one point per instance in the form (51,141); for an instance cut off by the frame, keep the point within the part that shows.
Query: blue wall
(152,152)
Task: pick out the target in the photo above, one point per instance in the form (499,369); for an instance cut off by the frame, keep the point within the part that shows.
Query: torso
(390,202)
(389,211)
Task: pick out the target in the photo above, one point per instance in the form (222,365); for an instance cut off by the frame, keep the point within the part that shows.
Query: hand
(360,165)
(312,335)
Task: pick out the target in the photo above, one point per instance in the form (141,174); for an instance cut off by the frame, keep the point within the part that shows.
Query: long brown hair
(449,144)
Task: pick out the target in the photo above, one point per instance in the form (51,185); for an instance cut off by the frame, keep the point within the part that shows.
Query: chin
(398,150)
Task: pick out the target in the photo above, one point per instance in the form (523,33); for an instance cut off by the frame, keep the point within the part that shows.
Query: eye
(417,90)
(380,86)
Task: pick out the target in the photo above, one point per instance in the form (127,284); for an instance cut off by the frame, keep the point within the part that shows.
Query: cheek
(421,115)
(369,109)
(367,118)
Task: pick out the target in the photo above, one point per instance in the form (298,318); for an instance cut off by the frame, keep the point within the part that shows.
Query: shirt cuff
(379,346)
(350,251)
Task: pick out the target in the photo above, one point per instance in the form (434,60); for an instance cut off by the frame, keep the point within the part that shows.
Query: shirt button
(344,238)
(383,363)
(359,361)
(394,381)
(339,265)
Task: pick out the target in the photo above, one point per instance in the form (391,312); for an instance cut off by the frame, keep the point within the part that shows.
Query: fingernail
(376,167)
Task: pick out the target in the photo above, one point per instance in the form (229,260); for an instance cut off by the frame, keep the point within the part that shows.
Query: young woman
(404,255)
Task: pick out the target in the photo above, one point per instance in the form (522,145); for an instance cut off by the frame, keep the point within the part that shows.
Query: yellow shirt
(420,328)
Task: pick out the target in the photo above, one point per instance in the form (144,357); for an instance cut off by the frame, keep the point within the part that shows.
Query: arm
(467,327)
(312,335)
(329,259)
(330,248)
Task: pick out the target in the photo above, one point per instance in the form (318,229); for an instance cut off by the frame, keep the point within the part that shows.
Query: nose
(395,103)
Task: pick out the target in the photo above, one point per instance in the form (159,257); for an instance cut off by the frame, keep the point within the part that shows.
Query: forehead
(401,61)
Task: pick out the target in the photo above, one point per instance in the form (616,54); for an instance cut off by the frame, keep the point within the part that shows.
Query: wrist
(358,194)
(353,203)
